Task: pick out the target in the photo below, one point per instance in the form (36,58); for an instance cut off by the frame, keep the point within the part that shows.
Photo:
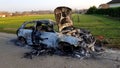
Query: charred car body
(40,35)
(26,32)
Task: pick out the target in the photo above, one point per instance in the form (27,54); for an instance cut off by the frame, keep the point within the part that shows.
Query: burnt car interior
(40,25)
(46,26)
(30,25)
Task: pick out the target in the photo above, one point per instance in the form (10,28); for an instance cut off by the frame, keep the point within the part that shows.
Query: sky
(28,5)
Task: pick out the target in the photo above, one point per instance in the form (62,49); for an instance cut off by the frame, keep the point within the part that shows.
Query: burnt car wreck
(70,41)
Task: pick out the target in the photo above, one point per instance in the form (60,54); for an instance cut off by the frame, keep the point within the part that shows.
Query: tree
(91,10)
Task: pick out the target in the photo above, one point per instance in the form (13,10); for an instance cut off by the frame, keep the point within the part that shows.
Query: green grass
(10,24)
(98,25)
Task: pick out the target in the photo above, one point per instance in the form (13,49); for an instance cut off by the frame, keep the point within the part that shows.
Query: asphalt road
(10,57)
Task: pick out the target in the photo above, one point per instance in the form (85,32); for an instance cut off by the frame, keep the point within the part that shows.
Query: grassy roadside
(98,25)
(101,26)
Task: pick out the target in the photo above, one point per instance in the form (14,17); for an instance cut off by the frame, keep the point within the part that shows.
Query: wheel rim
(22,41)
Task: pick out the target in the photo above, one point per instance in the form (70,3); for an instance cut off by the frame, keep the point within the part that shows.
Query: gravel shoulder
(10,57)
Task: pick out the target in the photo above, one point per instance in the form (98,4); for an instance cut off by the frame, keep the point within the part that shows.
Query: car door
(26,31)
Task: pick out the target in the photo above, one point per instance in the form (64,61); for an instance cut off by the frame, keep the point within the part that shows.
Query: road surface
(10,57)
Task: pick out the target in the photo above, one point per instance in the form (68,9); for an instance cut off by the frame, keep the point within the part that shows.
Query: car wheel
(22,41)
(66,47)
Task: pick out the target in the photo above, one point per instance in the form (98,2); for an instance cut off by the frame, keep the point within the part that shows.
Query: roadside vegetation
(112,12)
(99,25)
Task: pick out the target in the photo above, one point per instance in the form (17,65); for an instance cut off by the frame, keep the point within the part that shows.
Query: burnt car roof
(39,22)
(46,22)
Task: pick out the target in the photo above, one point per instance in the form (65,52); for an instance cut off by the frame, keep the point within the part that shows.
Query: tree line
(113,12)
